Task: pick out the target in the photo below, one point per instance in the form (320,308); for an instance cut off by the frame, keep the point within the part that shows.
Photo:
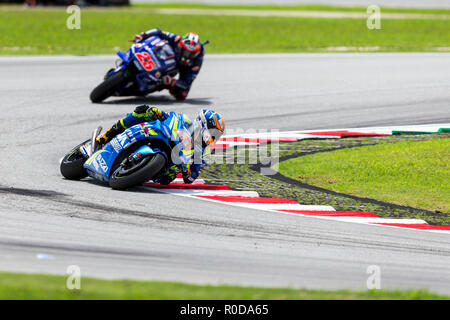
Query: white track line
(277,207)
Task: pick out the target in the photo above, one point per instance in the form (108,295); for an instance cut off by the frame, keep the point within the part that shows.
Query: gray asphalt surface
(355,3)
(48,223)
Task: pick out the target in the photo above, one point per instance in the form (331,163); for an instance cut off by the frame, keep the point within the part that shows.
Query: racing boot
(110,133)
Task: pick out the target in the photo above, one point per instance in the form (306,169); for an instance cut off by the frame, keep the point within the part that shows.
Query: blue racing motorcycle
(135,156)
(139,71)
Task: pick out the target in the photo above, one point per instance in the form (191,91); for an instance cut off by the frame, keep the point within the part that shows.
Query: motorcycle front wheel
(72,164)
(124,177)
(108,87)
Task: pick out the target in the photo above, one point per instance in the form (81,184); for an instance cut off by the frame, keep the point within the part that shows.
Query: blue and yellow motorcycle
(135,156)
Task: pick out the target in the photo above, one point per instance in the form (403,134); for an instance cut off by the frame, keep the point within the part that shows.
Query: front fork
(139,154)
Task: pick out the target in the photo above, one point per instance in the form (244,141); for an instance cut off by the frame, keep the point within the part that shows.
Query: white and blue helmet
(210,125)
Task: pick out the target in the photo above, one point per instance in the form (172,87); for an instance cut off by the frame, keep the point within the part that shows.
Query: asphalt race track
(48,223)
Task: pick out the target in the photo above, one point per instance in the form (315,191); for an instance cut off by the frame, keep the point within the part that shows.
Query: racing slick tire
(123,178)
(71,166)
(108,87)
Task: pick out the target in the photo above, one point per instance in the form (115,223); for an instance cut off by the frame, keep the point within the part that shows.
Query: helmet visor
(187,55)
(201,130)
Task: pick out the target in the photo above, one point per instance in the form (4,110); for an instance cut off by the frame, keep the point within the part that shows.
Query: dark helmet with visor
(189,47)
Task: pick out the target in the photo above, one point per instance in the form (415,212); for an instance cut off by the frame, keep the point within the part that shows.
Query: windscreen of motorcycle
(164,52)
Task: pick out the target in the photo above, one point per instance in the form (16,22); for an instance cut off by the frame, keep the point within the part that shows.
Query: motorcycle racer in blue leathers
(189,53)
(207,128)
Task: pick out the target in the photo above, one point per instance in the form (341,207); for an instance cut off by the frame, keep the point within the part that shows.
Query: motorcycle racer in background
(189,52)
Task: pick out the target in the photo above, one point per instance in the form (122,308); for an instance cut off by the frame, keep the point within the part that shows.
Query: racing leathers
(188,70)
(191,154)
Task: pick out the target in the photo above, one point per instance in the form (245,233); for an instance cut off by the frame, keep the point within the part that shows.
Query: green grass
(37,287)
(43,31)
(306,7)
(245,177)
(411,173)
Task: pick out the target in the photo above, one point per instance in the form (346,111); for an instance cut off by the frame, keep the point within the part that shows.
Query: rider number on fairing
(145,60)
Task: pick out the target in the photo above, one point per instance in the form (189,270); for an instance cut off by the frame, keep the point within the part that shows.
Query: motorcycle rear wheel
(108,87)
(72,164)
(123,178)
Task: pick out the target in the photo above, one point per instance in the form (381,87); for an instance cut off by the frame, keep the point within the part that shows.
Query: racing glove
(138,38)
(145,111)
(156,113)
(168,81)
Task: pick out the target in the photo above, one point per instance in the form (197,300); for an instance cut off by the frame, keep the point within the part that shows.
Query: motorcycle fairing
(160,53)
(100,163)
